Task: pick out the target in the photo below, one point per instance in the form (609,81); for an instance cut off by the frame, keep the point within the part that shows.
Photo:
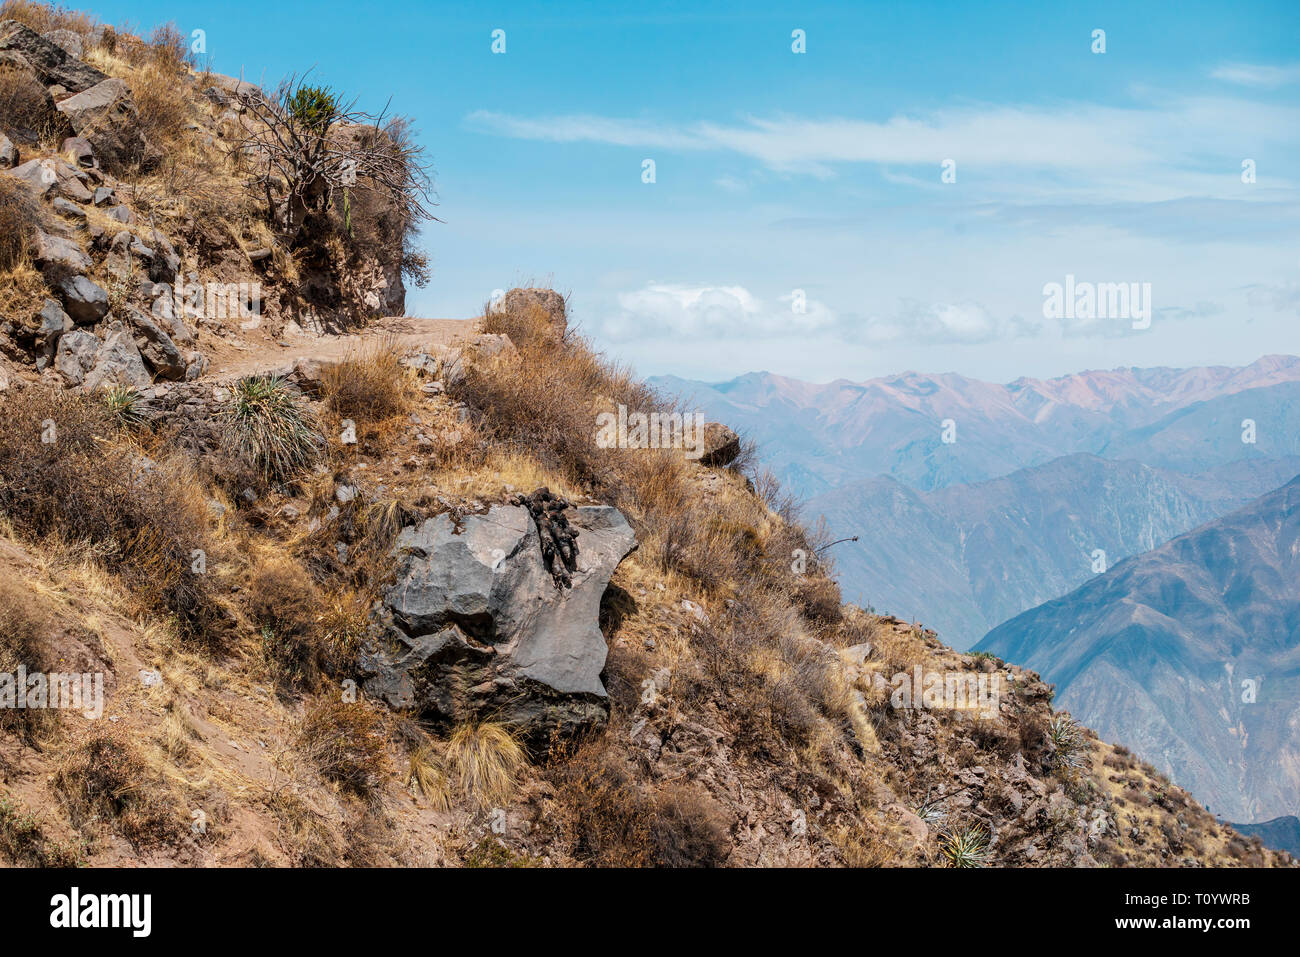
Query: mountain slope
(1191,654)
(968,557)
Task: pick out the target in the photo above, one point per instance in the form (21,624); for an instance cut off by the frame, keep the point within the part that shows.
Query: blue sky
(821,171)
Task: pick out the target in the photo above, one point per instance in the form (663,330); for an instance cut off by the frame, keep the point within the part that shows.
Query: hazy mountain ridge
(1157,651)
(967,557)
(818,437)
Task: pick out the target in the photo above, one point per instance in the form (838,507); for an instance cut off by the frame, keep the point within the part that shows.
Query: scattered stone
(50,60)
(8,153)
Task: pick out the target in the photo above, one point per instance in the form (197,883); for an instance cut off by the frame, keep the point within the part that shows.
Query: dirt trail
(263,354)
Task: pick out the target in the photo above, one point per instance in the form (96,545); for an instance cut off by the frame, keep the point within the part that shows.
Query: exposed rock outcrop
(476,626)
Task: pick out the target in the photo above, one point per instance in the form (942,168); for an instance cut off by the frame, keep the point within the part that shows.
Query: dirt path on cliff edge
(258,352)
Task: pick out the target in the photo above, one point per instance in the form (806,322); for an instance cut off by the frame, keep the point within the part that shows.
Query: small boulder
(85,301)
(8,153)
(75,355)
(118,362)
(79,150)
(106,115)
(60,256)
(156,346)
(547,301)
(720,444)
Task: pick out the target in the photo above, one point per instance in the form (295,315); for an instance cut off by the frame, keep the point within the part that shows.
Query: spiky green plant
(1066,741)
(272,428)
(966,846)
(316,107)
(120,400)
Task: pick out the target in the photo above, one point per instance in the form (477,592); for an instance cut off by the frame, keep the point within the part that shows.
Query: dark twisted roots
(558,538)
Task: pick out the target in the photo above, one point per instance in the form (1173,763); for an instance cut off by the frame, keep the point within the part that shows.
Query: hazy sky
(820,171)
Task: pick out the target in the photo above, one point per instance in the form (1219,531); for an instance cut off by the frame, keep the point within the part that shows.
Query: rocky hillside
(390,597)
(1189,649)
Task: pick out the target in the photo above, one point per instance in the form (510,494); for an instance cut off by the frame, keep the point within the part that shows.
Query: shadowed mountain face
(1190,654)
(1281,833)
(964,558)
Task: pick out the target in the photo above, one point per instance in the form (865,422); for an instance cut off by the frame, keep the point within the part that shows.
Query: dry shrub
(345,743)
(24,640)
(164,104)
(23,840)
(370,384)
(607,819)
(547,404)
(485,757)
(44,17)
(285,604)
(145,520)
(690,829)
(106,778)
(20,217)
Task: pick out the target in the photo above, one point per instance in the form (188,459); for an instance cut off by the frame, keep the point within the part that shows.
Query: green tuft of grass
(272,428)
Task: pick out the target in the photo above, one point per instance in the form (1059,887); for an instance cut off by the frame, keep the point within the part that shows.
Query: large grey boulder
(156,346)
(51,61)
(75,355)
(85,300)
(478,626)
(107,117)
(118,361)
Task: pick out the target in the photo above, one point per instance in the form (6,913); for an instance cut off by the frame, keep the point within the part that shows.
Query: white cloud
(1153,152)
(1258,75)
(685,312)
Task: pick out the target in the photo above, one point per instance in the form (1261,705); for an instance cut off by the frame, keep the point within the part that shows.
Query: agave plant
(272,428)
(120,401)
(1067,742)
(967,846)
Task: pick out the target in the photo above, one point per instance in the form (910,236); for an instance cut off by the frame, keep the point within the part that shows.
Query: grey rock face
(476,626)
(85,301)
(51,61)
(106,115)
(75,355)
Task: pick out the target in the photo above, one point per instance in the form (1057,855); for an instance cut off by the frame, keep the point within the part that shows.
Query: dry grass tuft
(370,384)
(485,759)
(105,778)
(345,743)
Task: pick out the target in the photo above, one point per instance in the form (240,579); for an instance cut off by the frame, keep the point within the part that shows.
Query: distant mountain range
(1042,473)
(1189,654)
(819,437)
